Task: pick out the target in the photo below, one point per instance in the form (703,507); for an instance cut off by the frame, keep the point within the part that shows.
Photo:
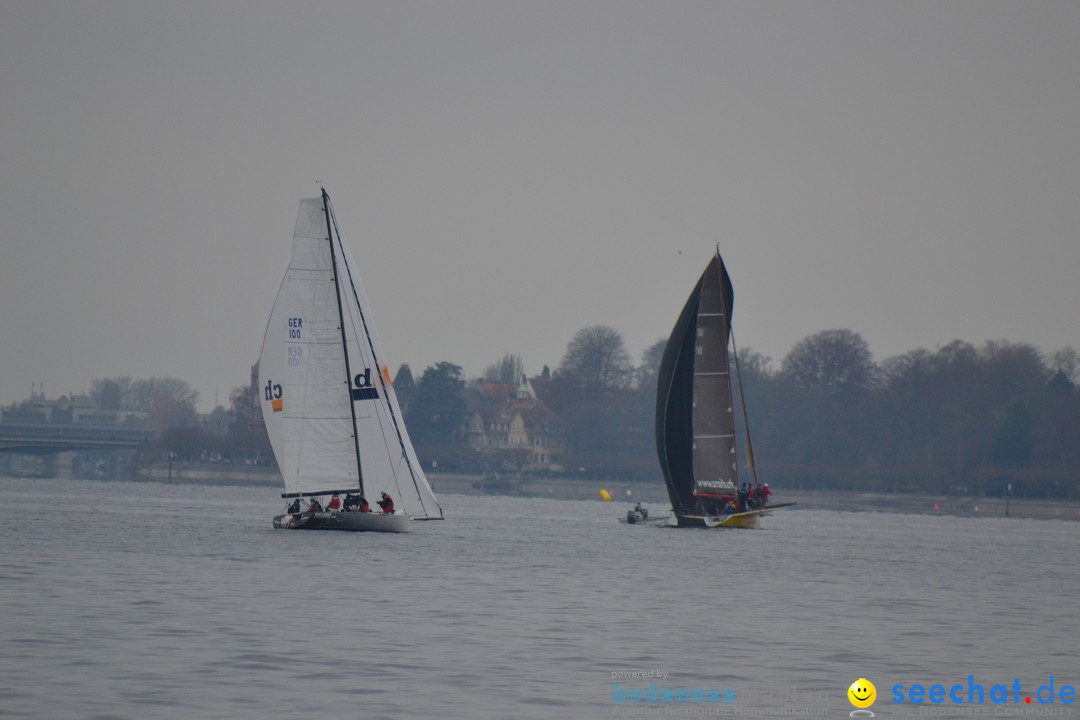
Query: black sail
(695,420)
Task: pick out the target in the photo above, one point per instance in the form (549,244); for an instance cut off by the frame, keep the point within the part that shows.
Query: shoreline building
(512,419)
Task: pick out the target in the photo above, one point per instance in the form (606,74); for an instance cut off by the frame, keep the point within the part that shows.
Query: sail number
(294,328)
(296,354)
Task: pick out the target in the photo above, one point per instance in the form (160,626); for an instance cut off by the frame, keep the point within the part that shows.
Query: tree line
(1001,417)
(236,434)
(957,419)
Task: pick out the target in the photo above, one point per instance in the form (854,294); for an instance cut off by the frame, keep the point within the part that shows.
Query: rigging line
(746,417)
(332,216)
(344,341)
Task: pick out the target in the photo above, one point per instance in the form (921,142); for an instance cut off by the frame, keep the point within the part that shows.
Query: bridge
(48,438)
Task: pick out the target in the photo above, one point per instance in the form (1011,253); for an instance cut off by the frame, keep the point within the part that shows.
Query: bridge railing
(47,438)
(89,432)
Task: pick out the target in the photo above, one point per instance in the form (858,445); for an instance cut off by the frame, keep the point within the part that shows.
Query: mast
(750,459)
(721,273)
(344,342)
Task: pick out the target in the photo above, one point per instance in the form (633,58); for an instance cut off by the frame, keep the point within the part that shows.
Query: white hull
(344,520)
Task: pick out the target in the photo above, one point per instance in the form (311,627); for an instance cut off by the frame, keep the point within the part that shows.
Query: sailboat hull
(344,520)
(748,519)
(328,403)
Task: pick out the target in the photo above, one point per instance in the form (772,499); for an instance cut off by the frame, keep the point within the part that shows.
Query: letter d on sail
(362,389)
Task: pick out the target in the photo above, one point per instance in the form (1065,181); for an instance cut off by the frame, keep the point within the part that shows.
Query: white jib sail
(309,377)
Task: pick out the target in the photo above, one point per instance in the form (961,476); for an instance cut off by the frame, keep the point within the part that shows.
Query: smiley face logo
(862,693)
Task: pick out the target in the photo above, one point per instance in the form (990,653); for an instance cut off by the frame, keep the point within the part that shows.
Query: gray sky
(510,172)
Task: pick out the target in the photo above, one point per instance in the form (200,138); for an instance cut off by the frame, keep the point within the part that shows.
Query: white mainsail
(329,405)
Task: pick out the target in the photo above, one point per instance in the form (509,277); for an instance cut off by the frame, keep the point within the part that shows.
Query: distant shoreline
(209,474)
(625,493)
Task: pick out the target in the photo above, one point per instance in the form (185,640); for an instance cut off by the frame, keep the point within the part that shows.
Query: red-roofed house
(513,418)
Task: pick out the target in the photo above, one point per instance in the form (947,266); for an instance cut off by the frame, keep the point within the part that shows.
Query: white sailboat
(329,405)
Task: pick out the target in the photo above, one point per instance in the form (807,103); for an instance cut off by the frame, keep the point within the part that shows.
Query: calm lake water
(145,600)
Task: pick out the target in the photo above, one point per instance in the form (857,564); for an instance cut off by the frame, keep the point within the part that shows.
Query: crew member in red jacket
(765,493)
(335,502)
(387,504)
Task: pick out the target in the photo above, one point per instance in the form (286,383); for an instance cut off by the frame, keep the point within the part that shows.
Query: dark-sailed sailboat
(695,409)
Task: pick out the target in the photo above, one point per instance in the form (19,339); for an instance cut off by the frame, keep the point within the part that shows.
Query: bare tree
(123,393)
(1011,369)
(169,412)
(753,366)
(596,358)
(832,360)
(109,394)
(247,431)
(649,368)
(146,392)
(506,371)
(1067,362)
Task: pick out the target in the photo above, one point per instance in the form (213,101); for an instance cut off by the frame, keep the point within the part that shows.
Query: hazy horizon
(509,173)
